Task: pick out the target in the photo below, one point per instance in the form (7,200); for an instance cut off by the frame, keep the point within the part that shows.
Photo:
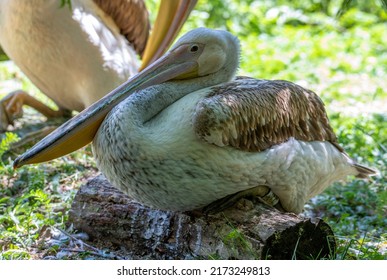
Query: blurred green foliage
(255,16)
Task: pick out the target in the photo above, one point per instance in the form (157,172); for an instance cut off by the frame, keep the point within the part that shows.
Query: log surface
(249,230)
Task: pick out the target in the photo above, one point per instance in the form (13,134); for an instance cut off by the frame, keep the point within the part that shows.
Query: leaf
(7,141)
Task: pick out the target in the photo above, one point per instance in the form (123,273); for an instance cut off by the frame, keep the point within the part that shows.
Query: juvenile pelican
(77,53)
(192,133)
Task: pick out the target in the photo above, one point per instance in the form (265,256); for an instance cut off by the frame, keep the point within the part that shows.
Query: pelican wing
(131,17)
(253,115)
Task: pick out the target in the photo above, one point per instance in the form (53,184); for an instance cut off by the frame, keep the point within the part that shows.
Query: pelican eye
(194,48)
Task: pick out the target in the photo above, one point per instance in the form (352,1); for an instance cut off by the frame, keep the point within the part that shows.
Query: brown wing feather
(131,17)
(253,115)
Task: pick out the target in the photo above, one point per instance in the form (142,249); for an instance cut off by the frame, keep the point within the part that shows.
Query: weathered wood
(249,230)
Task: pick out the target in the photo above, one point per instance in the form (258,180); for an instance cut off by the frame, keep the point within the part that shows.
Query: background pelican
(204,135)
(77,53)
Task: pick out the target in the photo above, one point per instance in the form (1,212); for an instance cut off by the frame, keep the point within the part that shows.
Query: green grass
(344,60)
(34,198)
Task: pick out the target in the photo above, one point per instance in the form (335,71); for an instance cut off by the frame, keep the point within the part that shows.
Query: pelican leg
(12,108)
(263,193)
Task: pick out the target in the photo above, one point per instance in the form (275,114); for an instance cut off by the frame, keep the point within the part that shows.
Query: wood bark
(249,230)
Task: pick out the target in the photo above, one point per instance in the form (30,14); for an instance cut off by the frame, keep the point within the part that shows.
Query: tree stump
(249,230)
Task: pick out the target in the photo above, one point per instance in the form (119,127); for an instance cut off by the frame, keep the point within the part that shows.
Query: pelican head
(219,50)
(200,53)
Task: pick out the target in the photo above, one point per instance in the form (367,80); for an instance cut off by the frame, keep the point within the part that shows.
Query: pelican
(186,132)
(77,53)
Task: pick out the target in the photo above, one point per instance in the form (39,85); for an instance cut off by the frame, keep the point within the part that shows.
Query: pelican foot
(11,108)
(272,200)
(269,198)
(263,193)
(5,121)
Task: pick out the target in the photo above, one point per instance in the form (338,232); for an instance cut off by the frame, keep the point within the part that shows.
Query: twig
(95,250)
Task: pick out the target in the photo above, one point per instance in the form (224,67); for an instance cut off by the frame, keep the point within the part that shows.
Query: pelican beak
(170,18)
(179,63)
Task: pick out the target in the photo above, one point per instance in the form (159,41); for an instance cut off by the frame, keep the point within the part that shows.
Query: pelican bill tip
(17,163)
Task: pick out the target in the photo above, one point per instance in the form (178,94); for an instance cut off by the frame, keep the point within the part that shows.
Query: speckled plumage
(184,144)
(253,115)
(164,164)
